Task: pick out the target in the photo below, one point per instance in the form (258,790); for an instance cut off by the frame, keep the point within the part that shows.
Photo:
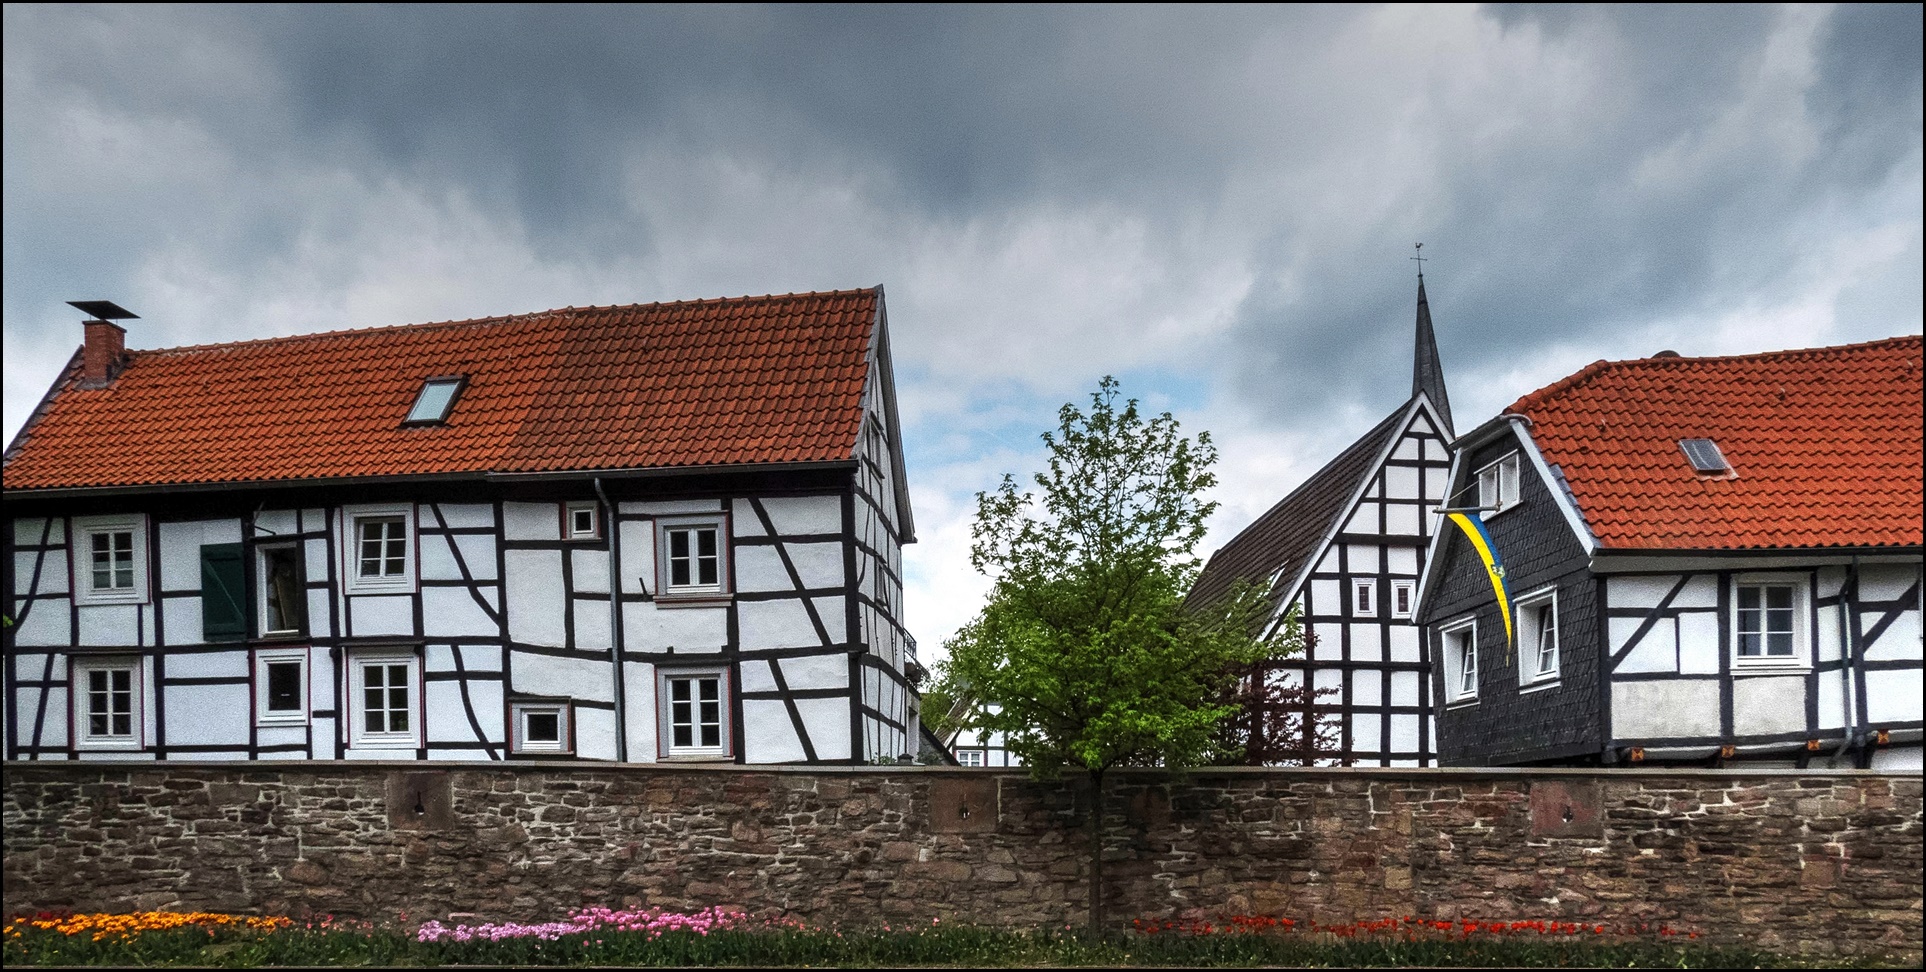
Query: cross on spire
(1420,258)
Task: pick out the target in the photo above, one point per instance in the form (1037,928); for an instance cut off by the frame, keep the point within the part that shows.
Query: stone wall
(1813,862)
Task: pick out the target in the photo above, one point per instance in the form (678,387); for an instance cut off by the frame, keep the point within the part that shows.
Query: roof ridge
(556,312)
(1562,385)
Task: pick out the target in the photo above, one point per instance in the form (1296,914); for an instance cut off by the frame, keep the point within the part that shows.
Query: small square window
(1498,484)
(110,559)
(281,687)
(379,549)
(383,693)
(582,521)
(970,757)
(1362,597)
(107,703)
(1768,623)
(1402,594)
(435,401)
(694,711)
(541,727)
(1537,619)
(1461,661)
(692,558)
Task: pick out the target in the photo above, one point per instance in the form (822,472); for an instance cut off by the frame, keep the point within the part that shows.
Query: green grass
(861,948)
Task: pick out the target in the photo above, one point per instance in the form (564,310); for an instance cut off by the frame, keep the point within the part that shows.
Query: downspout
(615,623)
(1848,650)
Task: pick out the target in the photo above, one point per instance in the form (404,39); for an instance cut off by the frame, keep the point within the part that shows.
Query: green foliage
(1085,655)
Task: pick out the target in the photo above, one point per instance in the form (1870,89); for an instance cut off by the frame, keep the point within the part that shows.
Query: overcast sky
(1215,205)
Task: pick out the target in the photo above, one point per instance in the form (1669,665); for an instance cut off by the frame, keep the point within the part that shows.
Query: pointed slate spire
(1427,374)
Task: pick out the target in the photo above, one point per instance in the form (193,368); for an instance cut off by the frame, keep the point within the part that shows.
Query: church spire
(1427,374)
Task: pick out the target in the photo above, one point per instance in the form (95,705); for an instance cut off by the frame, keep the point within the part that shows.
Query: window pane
(683,736)
(707,573)
(1749,643)
(679,689)
(711,735)
(583,522)
(432,404)
(679,558)
(706,542)
(398,720)
(282,591)
(284,686)
(1779,598)
(543,727)
(1508,485)
(711,689)
(397,551)
(1779,643)
(1748,598)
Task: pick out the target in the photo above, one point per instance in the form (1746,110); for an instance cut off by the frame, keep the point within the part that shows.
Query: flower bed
(718,937)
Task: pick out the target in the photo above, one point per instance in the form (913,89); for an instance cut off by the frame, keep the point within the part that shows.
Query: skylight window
(1705,457)
(436,400)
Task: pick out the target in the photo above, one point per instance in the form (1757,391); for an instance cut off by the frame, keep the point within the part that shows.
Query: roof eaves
(46,399)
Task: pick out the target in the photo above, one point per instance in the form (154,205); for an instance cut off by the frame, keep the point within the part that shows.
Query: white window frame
(1454,661)
(1801,657)
(666,747)
(261,590)
(569,511)
(1528,609)
(518,712)
(81,697)
(1499,504)
(1409,589)
(351,519)
(1367,605)
(972,757)
(664,570)
(358,735)
(263,716)
(81,559)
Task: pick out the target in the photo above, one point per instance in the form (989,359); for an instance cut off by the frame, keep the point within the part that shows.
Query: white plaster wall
(1367,642)
(1886,582)
(638,557)
(744,519)
(315,553)
(793,515)
(781,624)
(592,625)
(535,595)
(692,629)
(1699,592)
(828,723)
(1364,519)
(1893,696)
(465,515)
(578,678)
(383,615)
(768,735)
(1832,696)
(1403,521)
(451,612)
(1899,642)
(1324,594)
(1637,592)
(594,733)
(222,664)
(1656,652)
(110,624)
(1367,729)
(1404,688)
(761,569)
(1364,558)
(532,521)
(1764,705)
(1665,709)
(1404,733)
(46,624)
(1698,636)
(756,676)
(1401,560)
(638,684)
(180,556)
(1401,482)
(448,721)
(26,530)
(1329,645)
(199,715)
(1828,640)
(286,736)
(54,577)
(591,570)
(277,523)
(1898,759)
(1404,643)
(1367,687)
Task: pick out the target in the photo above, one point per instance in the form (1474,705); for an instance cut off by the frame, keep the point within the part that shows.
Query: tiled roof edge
(1523,405)
(40,410)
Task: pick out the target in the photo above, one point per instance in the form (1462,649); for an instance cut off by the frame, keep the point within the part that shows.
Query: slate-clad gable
(1537,548)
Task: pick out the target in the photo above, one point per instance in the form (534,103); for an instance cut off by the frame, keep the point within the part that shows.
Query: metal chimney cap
(105,310)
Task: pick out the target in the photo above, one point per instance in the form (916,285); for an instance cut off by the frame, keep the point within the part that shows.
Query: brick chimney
(105,352)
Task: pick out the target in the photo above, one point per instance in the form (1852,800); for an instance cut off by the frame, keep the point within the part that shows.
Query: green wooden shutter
(223,592)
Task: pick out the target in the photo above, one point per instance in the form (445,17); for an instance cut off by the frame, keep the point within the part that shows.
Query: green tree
(1085,656)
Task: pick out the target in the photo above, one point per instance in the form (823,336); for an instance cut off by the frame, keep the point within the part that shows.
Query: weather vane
(1420,258)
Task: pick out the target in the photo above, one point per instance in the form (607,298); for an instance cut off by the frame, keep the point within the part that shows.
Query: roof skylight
(436,400)
(1705,457)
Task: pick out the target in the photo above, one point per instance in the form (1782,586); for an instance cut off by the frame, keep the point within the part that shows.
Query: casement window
(384,700)
(1768,623)
(281,687)
(694,710)
(1363,598)
(110,559)
(582,521)
(1403,593)
(1461,661)
(435,400)
(692,558)
(1498,484)
(379,549)
(107,703)
(1537,620)
(281,596)
(970,757)
(541,727)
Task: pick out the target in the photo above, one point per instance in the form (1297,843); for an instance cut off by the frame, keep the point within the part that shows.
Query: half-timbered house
(1345,550)
(1690,559)
(637,533)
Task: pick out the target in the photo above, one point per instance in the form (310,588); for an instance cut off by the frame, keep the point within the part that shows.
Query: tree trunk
(1096,852)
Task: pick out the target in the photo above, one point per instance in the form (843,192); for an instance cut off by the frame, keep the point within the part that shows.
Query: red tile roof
(1825,444)
(694,383)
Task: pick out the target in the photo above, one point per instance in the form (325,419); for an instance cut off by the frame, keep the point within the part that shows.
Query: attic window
(1705,457)
(436,400)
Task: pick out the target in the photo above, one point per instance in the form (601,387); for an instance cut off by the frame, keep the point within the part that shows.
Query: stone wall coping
(1441,773)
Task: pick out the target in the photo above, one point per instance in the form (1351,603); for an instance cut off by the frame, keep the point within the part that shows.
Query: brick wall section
(1809,862)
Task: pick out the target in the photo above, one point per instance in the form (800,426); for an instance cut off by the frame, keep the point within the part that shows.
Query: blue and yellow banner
(1474,528)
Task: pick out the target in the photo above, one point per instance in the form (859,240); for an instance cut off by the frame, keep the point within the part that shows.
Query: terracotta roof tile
(710,382)
(1825,444)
